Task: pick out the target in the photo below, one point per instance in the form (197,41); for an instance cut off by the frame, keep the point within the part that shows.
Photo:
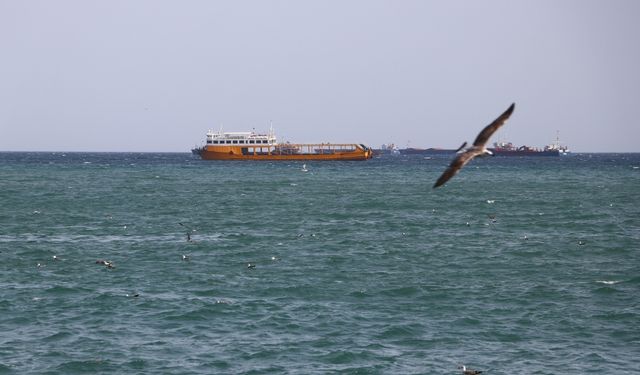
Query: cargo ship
(508,149)
(253,146)
(385,149)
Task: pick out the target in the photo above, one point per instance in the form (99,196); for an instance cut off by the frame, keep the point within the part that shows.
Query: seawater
(517,265)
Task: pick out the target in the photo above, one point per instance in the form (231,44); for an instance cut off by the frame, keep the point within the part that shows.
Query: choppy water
(360,266)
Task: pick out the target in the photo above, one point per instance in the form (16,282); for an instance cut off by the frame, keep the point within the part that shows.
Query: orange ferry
(253,146)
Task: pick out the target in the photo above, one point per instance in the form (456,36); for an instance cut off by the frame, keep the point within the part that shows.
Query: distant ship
(508,149)
(385,149)
(253,146)
(426,151)
(392,149)
(499,148)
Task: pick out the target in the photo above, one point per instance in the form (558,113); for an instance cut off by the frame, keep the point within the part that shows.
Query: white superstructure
(220,138)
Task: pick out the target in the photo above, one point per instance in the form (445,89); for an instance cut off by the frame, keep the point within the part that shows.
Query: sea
(518,265)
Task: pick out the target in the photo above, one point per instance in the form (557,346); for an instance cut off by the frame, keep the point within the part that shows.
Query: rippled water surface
(360,267)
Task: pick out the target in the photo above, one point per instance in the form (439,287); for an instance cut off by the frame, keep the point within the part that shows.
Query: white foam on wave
(607,282)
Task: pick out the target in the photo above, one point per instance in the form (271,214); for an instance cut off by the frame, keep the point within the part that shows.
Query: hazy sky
(149,75)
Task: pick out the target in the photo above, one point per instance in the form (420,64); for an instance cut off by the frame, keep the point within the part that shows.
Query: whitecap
(607,282)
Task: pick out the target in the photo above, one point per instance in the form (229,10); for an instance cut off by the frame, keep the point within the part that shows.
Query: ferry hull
(240,153)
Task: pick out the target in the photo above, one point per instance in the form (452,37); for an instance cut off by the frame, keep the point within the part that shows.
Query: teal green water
(360,267)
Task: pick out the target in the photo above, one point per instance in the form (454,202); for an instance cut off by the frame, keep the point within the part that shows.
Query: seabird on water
(188,233)
(251,265)
(107,263)
(468,371)
(185,257)
(478,149)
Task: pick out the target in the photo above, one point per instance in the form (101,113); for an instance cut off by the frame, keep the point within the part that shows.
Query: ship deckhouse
(240,138)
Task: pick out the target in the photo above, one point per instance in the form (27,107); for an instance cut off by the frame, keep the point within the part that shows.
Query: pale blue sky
(152,75)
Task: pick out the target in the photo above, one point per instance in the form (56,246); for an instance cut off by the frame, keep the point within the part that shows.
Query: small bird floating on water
(185,257)
(251,266)
(107,263)
(468,371)
(479,148)
(193,230)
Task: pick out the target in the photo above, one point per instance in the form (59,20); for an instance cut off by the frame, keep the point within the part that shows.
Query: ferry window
(228,142)
(251,141)
(208,141)
(241,142)
(235,142)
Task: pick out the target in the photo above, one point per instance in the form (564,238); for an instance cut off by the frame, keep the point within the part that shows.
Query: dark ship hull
(524,152)
(426,151)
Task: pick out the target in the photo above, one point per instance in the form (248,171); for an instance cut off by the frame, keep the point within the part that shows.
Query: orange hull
(311,152)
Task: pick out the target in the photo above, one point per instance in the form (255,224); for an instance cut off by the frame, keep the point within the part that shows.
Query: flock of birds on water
(463,156)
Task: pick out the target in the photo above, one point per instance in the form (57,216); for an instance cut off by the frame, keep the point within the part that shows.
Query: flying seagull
(468,371)
(478,148)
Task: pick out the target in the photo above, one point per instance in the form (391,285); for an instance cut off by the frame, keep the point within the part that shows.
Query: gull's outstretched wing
(488,131)
(456,165)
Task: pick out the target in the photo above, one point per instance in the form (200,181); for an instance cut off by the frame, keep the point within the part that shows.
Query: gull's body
(479,148)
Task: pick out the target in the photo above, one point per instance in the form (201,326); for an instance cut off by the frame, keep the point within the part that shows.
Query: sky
(155,75)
